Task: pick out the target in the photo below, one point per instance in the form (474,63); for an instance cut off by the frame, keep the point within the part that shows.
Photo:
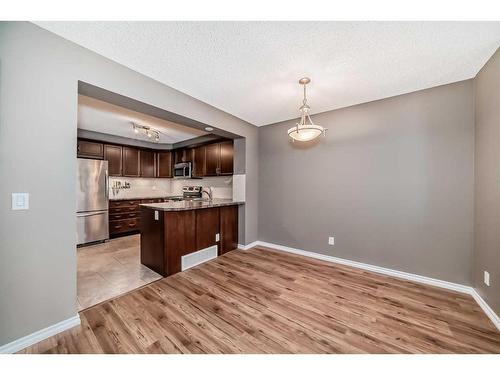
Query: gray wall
(39,74)
(392,181)
(487,181)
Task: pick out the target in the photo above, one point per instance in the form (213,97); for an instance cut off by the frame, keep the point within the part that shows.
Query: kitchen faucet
(210,193)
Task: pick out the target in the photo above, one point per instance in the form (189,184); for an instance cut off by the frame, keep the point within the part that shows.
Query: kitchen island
(179,235)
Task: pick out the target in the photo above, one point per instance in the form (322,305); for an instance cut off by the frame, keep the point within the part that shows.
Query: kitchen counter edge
(190,205)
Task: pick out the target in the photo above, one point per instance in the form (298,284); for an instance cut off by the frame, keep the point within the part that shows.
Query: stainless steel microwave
(182,170)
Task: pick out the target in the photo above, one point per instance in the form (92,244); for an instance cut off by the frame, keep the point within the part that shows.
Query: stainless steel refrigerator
(92,201)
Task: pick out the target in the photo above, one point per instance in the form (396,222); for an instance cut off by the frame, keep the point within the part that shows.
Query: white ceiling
(103,117)
(250,69)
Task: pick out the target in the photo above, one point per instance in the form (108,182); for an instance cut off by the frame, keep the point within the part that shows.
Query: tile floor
(110,269)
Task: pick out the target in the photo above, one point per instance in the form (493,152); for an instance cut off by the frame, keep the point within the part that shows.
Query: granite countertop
(191,205)
(144,197)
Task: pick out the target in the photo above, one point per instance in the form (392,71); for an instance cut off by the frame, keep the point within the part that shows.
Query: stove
(191,192)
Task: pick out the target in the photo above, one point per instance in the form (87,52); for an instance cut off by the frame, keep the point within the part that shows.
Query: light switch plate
(217,237)
(157,215)
(331,241)
(20,201)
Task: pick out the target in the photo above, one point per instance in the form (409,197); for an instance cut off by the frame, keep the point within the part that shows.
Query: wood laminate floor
(263,301)
(110,269)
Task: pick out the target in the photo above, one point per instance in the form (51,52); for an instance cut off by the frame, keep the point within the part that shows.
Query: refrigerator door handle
(85,214)
(107,185)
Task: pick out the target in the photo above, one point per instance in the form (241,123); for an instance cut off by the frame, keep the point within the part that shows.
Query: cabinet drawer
(121,210)
(121,226)
(113,204)
(124,215)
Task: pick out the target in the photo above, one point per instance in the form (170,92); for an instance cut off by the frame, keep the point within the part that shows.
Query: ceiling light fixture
(147,131)
(305,130)
(209,128)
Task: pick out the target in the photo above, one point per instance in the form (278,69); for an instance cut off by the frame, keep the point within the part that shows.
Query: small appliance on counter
(92,201)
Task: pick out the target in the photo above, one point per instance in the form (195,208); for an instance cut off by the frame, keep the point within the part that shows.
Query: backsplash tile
(160,187)
(222,186)
(140,188)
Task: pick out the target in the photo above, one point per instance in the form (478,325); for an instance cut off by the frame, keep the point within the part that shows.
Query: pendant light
(305,130)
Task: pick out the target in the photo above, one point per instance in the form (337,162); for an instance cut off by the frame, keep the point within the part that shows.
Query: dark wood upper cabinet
(179,156)
(226,158)
(219,159)
(131,167)
(199,161)
(189,155)
(213,159)
(147,163)
(87,149)
(164,164)
(212,156)
(183,155)
(113,154)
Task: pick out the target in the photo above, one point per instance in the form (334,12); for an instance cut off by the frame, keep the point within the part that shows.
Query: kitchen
(154,198)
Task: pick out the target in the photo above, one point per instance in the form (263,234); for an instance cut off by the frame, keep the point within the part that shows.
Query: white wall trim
(387,271)
(486,308)
(40,335)
(249,246)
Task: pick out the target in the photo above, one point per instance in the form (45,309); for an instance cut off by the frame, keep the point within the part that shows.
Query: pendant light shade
(305,130)
(305,133)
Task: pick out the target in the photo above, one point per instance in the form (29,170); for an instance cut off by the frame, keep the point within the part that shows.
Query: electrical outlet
(487,278)
(331,241)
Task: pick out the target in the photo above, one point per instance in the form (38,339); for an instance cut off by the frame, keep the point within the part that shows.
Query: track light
(147,131)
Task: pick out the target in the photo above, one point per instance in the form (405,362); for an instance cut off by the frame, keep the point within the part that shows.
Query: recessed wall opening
(131,154)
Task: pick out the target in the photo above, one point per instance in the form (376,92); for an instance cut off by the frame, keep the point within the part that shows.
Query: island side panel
(152,240)
(228,229)
(207,226)
(180,238)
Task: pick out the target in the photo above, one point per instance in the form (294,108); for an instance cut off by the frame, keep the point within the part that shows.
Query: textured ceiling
(102,117)
(250,69)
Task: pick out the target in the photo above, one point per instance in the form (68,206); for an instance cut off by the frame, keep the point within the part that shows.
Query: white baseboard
(388,271)
(249,246)
(40,335)
(486,308)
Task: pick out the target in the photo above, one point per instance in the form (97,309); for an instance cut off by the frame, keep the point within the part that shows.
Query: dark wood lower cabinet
(180,238)
(153,241)
(207,227)
(228,229)
(125,216)
(173,234)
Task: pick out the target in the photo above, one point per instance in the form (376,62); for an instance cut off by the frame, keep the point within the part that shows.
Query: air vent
(198,257)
